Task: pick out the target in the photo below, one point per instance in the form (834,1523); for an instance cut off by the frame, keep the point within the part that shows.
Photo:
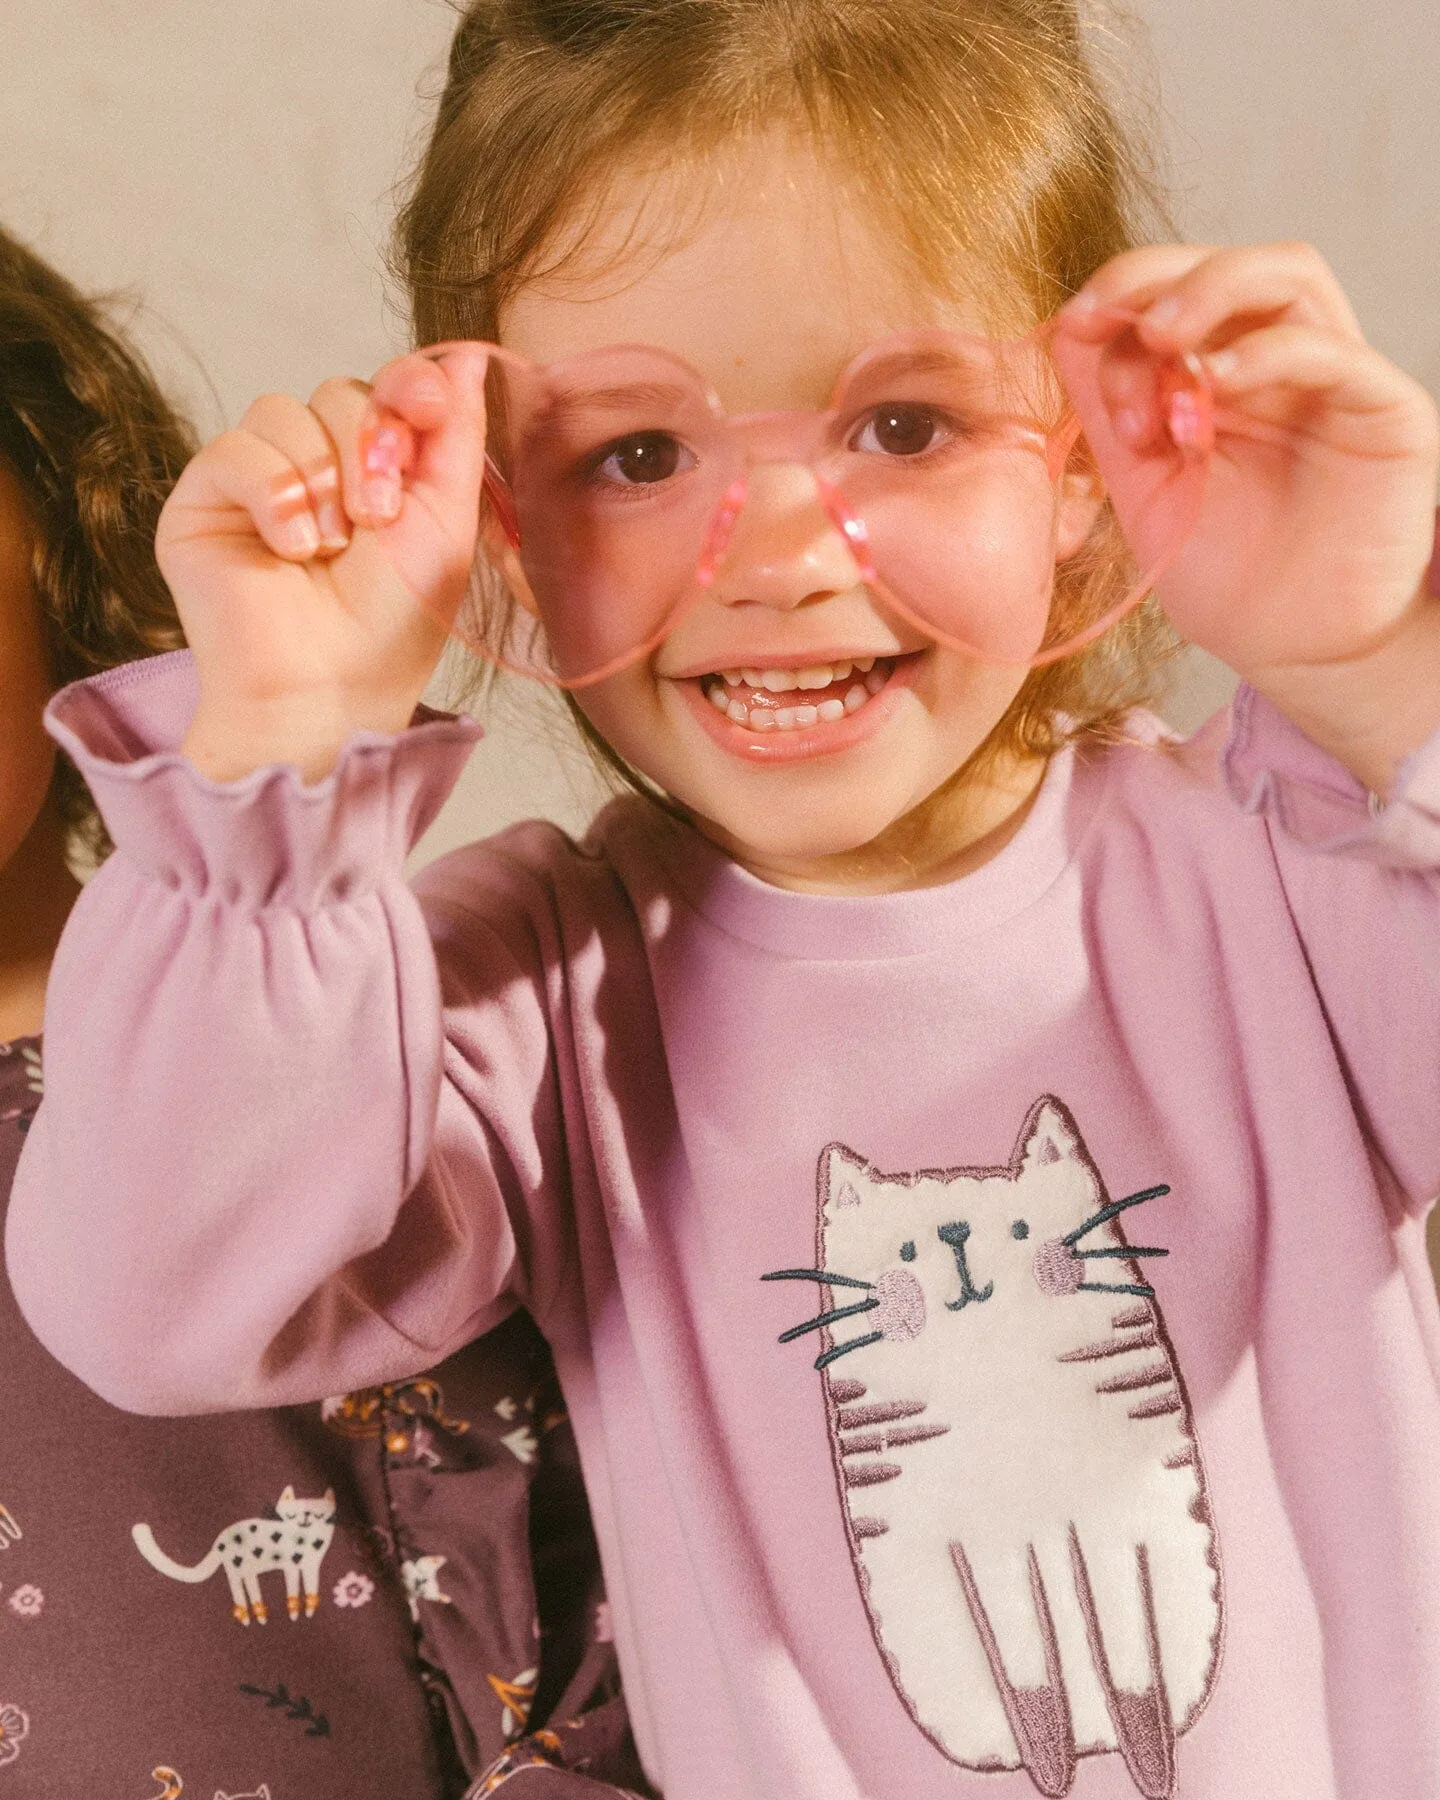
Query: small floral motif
(34,1070)
(14,1726)
(27,1602)
(354,1589)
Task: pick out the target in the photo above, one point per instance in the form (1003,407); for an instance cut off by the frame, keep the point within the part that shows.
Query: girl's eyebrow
(639,393)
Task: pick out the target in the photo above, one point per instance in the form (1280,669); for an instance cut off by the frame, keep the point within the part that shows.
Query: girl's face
(27,757)
(776,289)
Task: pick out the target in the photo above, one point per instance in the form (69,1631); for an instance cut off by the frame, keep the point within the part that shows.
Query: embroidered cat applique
(294,1541)
(1023,1491)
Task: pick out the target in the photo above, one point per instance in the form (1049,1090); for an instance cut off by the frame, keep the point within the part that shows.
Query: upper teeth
(765,715)
(781,681)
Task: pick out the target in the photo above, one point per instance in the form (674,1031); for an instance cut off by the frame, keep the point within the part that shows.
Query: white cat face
(303,1511)
(928,1247)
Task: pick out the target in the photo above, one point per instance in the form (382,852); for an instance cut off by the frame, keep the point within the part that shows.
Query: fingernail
(325,501)
(381,497)
(380,490)
(1083,304)
(300,535)
(1165,312)
(1192,424)
(1222,364)
(334,527)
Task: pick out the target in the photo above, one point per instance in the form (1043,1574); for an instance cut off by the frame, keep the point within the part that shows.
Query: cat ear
(843,1177)
(288,1496)
(330,1498)
(1049,1136)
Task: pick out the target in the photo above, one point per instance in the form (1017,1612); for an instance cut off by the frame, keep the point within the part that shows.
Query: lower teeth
(796,718)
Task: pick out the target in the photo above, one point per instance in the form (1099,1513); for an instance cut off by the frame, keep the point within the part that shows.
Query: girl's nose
(784,550)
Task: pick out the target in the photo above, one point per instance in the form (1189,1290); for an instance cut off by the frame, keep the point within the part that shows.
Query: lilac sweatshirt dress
(995,1317)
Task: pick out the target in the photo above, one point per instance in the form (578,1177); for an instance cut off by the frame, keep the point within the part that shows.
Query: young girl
(967,1152)
(114,1661)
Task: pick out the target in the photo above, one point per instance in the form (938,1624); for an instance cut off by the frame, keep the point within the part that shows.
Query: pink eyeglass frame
(1188,410)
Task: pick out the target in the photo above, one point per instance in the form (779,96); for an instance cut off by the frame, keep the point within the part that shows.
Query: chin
(797,827)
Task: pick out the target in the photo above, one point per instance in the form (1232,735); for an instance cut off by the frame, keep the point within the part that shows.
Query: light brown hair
(96,449)
(978,128)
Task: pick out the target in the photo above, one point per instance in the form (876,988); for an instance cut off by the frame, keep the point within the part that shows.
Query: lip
(827,739)
(788,659)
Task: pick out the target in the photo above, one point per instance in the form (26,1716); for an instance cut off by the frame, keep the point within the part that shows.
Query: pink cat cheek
(901,1313)
(1058,1271)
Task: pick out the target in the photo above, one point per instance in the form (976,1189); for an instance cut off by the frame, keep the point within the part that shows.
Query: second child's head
(89,449)
(764,188)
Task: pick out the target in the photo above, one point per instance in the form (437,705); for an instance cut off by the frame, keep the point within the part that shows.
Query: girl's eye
(643,460)
(902,429)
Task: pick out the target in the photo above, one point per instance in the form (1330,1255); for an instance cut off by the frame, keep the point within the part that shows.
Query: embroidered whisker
(1113,1210)
(828,1318)
(820,1275)
(827,1357)
(1123,1250)
(1117,1287)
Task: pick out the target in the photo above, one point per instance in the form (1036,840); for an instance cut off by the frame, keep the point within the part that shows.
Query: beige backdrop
(233,164)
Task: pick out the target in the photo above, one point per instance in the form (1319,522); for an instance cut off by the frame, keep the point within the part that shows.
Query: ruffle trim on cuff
(268,838)
(1270,768)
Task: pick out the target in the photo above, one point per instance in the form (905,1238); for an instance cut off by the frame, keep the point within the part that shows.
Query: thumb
(440,394)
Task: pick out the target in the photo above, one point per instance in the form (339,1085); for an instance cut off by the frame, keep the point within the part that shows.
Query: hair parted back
(978,129)
(96,449)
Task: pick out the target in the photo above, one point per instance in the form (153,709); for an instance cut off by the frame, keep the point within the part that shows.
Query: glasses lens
(607,472)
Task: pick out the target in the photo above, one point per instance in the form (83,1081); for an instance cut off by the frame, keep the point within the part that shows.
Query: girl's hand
(1306,570)
(316,554)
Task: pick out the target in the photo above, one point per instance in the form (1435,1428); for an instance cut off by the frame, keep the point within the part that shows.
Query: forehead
(759,264)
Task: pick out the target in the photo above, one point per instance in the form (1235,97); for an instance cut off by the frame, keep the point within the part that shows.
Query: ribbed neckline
(827,927)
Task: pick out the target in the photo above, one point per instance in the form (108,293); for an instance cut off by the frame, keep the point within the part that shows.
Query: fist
(317,555)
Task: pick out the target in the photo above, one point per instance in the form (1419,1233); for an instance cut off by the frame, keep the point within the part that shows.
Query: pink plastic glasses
(619,493)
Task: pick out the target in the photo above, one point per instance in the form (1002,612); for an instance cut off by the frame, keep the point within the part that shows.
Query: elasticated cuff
(268,838)
(1272,769)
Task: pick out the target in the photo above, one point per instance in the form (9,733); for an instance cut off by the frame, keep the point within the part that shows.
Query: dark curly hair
(96,448)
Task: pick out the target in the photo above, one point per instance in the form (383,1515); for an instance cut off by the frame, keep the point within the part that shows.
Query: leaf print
(521,1443)
(295,1707)
(516,1698)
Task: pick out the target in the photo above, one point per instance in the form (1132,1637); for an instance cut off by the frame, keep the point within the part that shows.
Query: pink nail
(380,491)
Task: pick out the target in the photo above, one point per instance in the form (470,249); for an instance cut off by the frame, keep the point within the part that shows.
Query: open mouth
(778,700)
